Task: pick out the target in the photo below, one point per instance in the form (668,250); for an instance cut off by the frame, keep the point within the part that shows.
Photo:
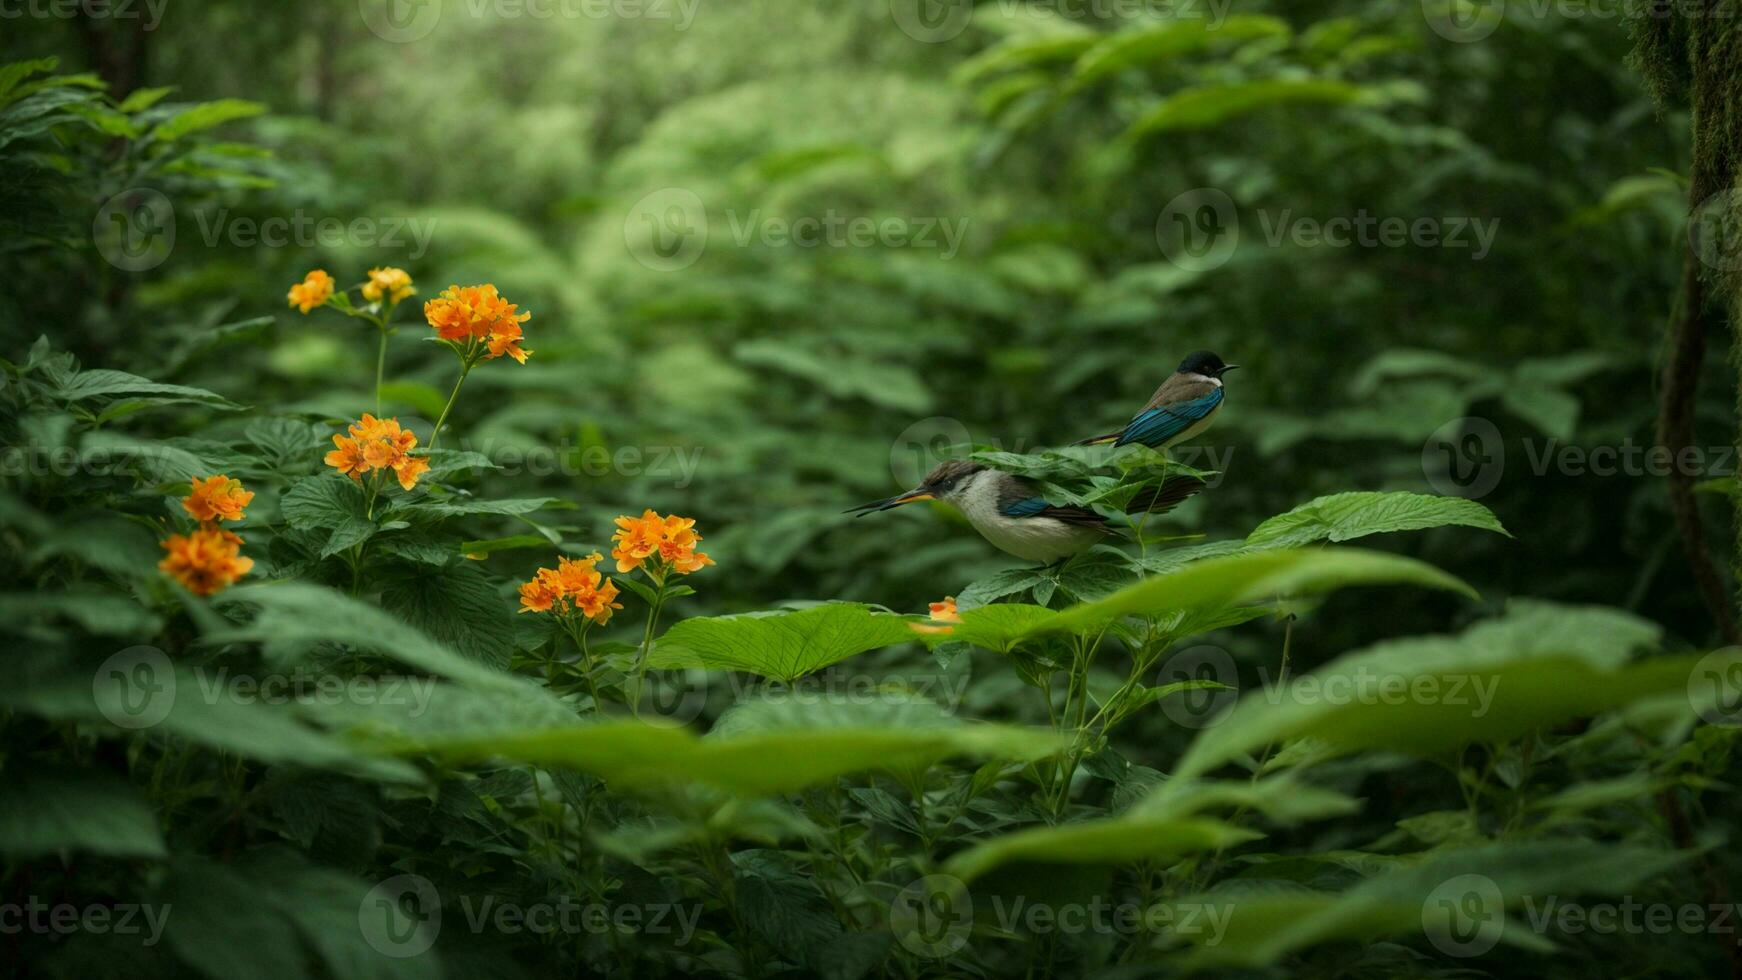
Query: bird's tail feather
(1170,494)
(1099,440)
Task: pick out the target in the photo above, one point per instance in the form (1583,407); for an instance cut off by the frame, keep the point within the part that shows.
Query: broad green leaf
(1209,105)
(459,506)
(460,607)
(14,72)
(298,612)
(204,115)
(1025,52)
(141,99)
(45,813)
(1431,695)
(200,707)
(1134,48)
(323,502)
(103,613)
(104,383)
(510,543)
(780,645)
(630,753)
(1122,840)
(1345,516)
(1253,577)
(1457,896)
(999,627)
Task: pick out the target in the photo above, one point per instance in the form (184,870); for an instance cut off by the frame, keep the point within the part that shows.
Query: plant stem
(452,397)
(380,366)
(646,645)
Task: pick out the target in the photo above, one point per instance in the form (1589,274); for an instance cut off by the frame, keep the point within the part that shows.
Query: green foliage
(779,751)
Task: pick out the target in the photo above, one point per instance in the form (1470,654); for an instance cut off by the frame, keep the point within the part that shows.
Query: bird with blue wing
(1180,409)
(1011,513)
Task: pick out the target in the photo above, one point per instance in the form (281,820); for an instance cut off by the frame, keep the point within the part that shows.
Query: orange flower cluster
(393,283)
(671,541)
(942,615)
(378,444)
(574,585)
(216,498)
(206,561)
(314,290)
(209,559)
(478,314)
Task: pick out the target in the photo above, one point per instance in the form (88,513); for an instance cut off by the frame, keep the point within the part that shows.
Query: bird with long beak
(1010,512)
(1181,408)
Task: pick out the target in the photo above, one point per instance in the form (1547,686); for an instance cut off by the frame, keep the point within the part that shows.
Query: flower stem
(455,394)
(380,367)
(646,646)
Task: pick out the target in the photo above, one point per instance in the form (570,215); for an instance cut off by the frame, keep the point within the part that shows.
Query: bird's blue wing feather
(1158,425)
(1024,508)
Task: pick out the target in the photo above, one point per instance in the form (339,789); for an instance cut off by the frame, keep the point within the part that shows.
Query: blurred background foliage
(812,378)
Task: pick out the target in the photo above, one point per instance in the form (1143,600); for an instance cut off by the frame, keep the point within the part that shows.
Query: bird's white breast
(1038,539)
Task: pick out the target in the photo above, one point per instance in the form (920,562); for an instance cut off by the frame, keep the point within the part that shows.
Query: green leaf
(780,645)
(197,707)
(630,753)
(297,612)
(1134,48)
(999,627)
(1251,577)
(141,99)
(510,543)
(1539,666)
(470,506)
(15,72)
(460,607)
(103,383)
(205,115)
(1457,896)
(45,813)
(1346,516)
(1209,105)
(1119,841)
(323,501)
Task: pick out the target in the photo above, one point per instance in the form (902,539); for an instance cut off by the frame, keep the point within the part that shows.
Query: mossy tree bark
(1694,52)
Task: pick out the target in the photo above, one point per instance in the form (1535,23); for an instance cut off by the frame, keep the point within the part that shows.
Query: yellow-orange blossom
(478,314)
(575,584)
(210,559)
(671,540)
(377,444)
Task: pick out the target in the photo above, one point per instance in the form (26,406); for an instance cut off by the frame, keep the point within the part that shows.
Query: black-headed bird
(1182,407)
(1010,512)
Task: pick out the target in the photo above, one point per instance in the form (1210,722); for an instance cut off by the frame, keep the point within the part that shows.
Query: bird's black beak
(1226,368)
(887,503)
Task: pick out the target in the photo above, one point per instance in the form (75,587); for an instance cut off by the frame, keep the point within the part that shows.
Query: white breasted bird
(1181,408)
(1010,512)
